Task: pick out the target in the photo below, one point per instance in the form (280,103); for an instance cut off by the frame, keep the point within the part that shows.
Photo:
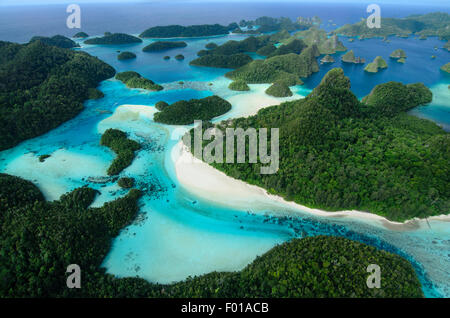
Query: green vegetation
(239,85)
(179,31)
(185,112)
(431,24)
(378,63)
(401,60)
(179,57)
(279,89)
(115,38)
(446,68)
(250,44)
(43,157)
(269,24)
(126,182)
(166,57)
(94,93)
(447,46)
(211,45)
(266,50)
(40,239)
(295,46)
(222,61)
(126,56)
(42,86)
(163,46)
(118,142)
(161,105)
(289,68)
(397,54)
(135,80)
(337,153)
(349,57)
(325,44)
(81,35)
(57,40)
(327,59)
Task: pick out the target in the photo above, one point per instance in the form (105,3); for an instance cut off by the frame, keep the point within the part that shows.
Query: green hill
(115,38)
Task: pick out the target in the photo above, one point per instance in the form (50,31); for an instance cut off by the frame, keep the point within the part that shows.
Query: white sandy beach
(204,181)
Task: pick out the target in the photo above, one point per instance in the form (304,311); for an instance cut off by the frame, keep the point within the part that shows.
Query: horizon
(441,3)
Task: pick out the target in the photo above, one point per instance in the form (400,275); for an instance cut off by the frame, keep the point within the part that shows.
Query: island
(135,80)
(185,112)
(125,182)
(401,60)
(94,93)
(319,37)
(81,35)
(222,61)
(288,67)
(114,39)
(239,85)
(179,57)
(167,57)
(161,105)
(446,68)
(125,149)
(430,24)
(349,57)
(179,31)
(378,63)
(332,108)
(126,56)
(279,89)
(447,46)
(211,45)
(24,210)
(57,40)
(164,46)
(52,88)
(398,54)
(327,59)
(295,46)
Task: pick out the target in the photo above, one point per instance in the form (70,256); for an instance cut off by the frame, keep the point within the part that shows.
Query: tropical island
(431,24)
(352,127)
(222,61)
(279,89)
(115,38)
(349,57)
(135,80)
(81,35)
(239,85)
(378,63)
(164,46)
(57,40)
(63,83)
(24,210)
(126,56)
(446,68)
(185,112)
(125,148)
(398,54)
(327,59)
(179,31)
(325,44)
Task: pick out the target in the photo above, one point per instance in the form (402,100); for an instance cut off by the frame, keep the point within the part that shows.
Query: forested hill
(337,153)
(42,86)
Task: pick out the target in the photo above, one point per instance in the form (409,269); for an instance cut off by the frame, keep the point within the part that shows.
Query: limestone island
(164,46)
(239,85)
(446,68)
(185,112)
(222,61)
(179,57)
(378,63)
(211,45)
(126,56)
(325,44)
(397,54)
(327,59)
(114,38)
(135,80)
(179,31)
(81,35)
(279,89)
(57,40)
(349,57)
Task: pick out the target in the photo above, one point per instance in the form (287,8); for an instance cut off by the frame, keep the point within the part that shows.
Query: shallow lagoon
(179,234)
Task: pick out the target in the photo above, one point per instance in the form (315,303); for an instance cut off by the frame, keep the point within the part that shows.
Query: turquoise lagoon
(178,234)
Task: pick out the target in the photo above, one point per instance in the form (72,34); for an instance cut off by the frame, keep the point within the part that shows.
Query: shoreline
(189,170)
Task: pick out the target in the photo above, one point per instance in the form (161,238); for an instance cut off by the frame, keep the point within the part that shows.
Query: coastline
(221,188)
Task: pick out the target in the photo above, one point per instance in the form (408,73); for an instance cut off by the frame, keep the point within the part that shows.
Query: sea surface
(178,234)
